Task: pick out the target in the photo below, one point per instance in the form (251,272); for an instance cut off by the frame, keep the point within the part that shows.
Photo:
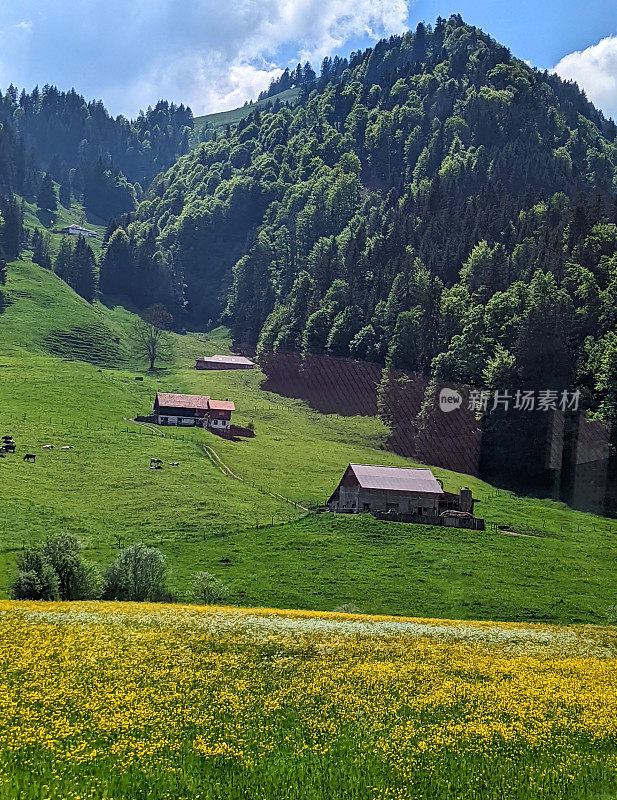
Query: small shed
(224,362)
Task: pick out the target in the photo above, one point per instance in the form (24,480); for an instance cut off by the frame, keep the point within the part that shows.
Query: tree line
(105,162)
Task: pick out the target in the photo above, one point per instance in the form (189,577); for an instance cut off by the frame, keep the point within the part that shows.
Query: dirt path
(220,464)
(146,425)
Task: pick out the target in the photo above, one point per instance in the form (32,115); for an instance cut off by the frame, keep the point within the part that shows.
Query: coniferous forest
(106,162)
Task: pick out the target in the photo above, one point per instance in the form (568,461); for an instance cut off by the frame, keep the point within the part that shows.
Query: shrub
(36,579)
(208,589)
(138,573)
(78,579)
(56,572)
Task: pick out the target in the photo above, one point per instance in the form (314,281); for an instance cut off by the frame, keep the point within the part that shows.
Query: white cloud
(595,71)
(234,64)
(25,26)
(207,53)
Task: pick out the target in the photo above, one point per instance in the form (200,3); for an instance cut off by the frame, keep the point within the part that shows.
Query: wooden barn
(401,489)
(404,494)
(224,362)
(192,409)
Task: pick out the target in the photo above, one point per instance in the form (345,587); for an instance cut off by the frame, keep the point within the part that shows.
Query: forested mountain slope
(108,161)
(438,206)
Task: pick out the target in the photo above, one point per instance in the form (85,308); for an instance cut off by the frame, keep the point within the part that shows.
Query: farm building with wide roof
(406,490)
(224,362)
(192,409)
(408,494)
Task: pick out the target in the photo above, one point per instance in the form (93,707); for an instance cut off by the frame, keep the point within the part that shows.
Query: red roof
(222,405)
(399,479)
(183,400)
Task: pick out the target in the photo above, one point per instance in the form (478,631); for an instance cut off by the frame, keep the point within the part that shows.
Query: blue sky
(214,55)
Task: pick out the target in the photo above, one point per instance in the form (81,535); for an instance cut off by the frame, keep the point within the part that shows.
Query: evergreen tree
(405,351)
(64,195)
(117,265)
(63,264)
(47,199)
(3,268)
(84,271)
(13,229)
(40,248)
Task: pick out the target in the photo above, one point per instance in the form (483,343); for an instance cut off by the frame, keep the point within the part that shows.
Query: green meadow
(68,378)
(221,119)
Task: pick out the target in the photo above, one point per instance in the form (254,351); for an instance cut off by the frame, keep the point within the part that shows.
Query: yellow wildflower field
(114,700)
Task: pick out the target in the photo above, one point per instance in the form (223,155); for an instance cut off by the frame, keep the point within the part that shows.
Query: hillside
(437,207)
(72,374)
(105,162)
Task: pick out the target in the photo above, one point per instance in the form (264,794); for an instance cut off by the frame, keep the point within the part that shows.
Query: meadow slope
(68,378)
(102,700)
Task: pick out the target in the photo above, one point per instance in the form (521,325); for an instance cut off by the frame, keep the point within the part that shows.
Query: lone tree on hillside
(151,337)
(47,199)
(138,573)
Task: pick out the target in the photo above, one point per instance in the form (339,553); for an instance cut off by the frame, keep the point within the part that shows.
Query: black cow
(29,457)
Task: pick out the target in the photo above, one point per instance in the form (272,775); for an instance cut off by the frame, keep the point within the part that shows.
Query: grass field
(118,701)
(69,379)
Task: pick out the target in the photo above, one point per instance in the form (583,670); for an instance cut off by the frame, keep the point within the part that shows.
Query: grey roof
(227,360)
(399,479)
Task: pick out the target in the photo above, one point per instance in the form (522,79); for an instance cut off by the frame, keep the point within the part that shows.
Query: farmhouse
(77,230)
(402,493)
(191,410)
(224,362)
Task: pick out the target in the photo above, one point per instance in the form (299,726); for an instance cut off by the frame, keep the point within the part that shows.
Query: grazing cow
(48,447)
(9,447)
(156,461)
(156,466)
(66,447)
(29,457)
(174,463)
